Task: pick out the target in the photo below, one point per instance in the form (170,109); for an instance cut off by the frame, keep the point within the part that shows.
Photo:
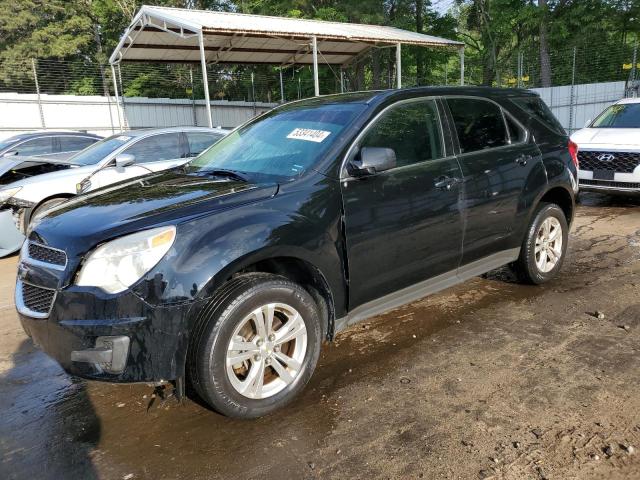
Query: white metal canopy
(175,35)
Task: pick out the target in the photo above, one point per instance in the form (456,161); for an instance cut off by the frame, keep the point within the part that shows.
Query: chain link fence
(268,85)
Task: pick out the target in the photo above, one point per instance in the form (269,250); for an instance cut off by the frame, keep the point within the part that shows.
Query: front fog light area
(118,264)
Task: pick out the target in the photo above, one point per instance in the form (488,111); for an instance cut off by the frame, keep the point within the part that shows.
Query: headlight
(120,263)
(7,193)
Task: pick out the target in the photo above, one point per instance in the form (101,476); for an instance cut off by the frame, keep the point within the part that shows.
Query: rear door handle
(523,159)
(445,183)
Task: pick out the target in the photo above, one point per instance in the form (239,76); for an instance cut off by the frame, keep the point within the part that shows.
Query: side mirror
(586,125)
(10,153)
(124,160)
(373,160)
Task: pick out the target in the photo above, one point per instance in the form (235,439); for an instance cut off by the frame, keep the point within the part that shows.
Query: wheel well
(562,198)
(308,277)
(66,196)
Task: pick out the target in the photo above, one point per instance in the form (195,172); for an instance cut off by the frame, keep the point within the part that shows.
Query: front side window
(283,143)
(37,146)
(156,148)
(479,124)
(622,115)
(411,130)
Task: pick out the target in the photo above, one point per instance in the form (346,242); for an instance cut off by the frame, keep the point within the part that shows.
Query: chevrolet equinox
(229,271)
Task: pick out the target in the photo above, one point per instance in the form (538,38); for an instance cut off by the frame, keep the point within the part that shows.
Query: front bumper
(611,187)
(11,238)
(115,338)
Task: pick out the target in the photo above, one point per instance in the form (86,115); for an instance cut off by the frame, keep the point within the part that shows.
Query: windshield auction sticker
(309,134)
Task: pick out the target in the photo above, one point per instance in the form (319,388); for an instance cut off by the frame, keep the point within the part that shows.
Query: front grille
(623,162)
(47,254)
(37,299)
(610,184)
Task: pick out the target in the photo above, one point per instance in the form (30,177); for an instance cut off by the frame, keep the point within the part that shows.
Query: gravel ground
(489,379)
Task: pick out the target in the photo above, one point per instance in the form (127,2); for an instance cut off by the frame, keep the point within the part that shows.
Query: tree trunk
(545,60)
(420,73)
(375,67)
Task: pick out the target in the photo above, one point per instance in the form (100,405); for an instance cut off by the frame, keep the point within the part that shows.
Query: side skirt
(427,287)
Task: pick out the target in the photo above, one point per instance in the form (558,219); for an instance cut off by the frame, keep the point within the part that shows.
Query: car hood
(166,197)
(607,137)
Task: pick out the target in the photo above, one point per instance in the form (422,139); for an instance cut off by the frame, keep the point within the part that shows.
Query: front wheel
(544,246)
(255,346)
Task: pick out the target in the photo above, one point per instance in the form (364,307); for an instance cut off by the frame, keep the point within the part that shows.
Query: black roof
(376,96)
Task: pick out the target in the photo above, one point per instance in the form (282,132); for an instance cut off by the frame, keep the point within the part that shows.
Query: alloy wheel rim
(548,248)
(266,351)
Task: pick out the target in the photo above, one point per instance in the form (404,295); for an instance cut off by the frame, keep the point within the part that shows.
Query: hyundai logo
(606,157)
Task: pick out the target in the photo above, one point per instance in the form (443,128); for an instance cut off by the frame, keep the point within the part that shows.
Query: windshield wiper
(226,173)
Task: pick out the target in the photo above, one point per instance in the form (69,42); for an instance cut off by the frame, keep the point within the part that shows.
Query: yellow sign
(511,81)
(525,78)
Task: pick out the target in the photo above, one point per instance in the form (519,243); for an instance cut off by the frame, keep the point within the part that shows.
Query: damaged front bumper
(11,238)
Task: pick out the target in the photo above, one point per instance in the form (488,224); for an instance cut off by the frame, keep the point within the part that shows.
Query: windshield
(96,152)
(622,115)
(284,143)
(7,143)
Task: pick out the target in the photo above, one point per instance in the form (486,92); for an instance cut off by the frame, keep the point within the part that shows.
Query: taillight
(573,151)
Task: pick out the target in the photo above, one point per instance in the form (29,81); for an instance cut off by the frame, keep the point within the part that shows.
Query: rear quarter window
(535,107)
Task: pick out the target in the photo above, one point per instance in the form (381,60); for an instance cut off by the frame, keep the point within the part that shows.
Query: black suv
(230,271)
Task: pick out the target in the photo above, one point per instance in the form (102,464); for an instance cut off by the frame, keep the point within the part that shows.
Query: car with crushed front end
(28,191)
(228,272)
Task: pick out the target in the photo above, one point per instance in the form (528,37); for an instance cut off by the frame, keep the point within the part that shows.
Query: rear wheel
(544,246)
(255,346)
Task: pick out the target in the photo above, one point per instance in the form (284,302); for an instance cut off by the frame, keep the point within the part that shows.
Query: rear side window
(73,144)
(157,148)
(199,142)
(412,130)
(37,146)
(535,107)
(479,124)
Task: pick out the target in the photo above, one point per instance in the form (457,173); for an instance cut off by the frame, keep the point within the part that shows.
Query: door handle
(522,160)
(445,183)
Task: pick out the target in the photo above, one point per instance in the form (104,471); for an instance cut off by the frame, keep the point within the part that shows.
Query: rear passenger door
(497,156)
(403,225)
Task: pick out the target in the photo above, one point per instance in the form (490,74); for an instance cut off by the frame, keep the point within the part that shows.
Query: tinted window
(536,107)
(412,130)
(99,150)
(517,134)
(283,143)
(73,144)
(625,115)
(37,146)
(479,124)
(156,148)
(199,142)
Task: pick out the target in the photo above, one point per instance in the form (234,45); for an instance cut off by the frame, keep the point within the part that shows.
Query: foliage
(80,34)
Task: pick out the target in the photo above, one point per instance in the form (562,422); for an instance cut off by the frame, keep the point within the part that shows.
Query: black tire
(525,267)
(215,326)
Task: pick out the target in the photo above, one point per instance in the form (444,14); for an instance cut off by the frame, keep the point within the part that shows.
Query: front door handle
(523,159)
(445,183)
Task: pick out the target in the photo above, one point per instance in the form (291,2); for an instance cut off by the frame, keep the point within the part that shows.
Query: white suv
(609,150)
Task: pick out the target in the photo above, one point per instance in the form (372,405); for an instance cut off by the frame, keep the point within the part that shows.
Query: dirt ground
(489,379)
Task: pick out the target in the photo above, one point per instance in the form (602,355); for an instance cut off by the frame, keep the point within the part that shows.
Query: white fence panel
(99,114)
(587,101)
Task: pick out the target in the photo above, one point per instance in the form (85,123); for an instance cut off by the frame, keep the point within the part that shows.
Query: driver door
(403,225)
(151,154)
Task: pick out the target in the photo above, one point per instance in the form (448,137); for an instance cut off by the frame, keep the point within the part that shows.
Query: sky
(442,6)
